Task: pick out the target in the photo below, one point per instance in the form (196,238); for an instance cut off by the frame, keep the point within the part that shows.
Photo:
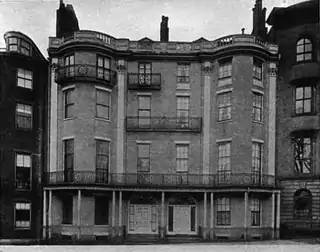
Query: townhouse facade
(295,30)
(23,89)
(160,138)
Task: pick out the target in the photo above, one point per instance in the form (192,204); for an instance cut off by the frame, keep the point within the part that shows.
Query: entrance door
(140,219)
(182,219)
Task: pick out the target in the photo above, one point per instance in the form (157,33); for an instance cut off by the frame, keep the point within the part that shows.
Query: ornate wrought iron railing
(160,180)
(135,123)
(144,81)
(66,74)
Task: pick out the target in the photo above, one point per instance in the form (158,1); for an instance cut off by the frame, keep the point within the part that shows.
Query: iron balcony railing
(159,180)
(77,72)
(135,123)
(144,81)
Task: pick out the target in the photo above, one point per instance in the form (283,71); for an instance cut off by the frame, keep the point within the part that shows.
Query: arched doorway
(302,204)
(143,215)
(182,215)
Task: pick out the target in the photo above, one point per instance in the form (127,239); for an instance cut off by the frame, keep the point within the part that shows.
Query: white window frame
(23,154)
(30,219)
(223,208)
(21,75)
(253,209)
(182,149)
(101,89)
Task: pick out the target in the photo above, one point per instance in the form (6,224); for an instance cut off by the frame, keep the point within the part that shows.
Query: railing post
(245,235)
(120,213)
(113,211)
(211,214)
(272,214)
(50,214)
(162,215)
(79,214)
(204,215)
(278,216)
(44,232)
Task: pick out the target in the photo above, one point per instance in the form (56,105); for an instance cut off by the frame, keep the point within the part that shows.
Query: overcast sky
(134,19)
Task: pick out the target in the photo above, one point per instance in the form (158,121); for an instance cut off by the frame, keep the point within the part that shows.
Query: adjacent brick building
(161,138)
(295,30)
(23,105)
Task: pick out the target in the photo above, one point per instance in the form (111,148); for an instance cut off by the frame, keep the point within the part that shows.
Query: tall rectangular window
(24,78)
(183,73)
(257,100)
(304,100)
(183,111)
(257,69)
(24,116)
(255,211)
(67,209)
(102,160)
(103,68)
(69,63)
(224,162)
(144,157)
(256,161)
(225,68)
(68,159)
(144,71)
(223,211)
(22,215)
(224,106)
(68,103)
(101,210)
(23,171)
(182,151)
(144,111)
(303,150)
(103,104)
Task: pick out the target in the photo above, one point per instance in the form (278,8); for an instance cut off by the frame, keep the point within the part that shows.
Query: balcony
(147,180)
(138,81)
(164,124)
(90,73)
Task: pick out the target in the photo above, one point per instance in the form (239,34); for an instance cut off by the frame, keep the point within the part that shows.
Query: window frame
(303,99)
(224,158)
(183,121)
(303,53)
(224,103)
(24,167)
(101,172)
(144,118)
(257,98)
(258,158)
(224,212)
(103,105)
(183,72)
(104,68)
(15,215)
(182,161)
(256,213)
(67,105)
(142,71)
(103,199)
(20,48)
(23,116)
(257,64)
(66,155)
(139,158)
(223,71)
(69,67)
(309,207)
(311,158)
(24,78)
(69,200)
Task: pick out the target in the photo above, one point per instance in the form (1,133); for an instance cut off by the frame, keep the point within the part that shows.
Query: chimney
(164,30)
(67,22)
(259,21)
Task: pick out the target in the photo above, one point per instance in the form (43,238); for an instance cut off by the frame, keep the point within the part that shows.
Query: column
(120,115)
(120,213)
(211,214)
(44,232)
(207,69)
(50,213)
(205,215)
(272,83)
(162,216)
(272,214)
(278,216)
(79,214)
(245,224)
(113,211)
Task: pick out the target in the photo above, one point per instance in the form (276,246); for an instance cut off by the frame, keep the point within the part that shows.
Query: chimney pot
(242,30)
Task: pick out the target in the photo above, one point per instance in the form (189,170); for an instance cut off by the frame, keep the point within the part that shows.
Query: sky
(133,19)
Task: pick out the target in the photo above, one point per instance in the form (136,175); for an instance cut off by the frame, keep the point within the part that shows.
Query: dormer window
(19,45)
(304,49)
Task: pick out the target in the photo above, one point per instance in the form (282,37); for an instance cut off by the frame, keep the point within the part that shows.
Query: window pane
(144,102)
(103,97)
(307,106)
(299,107)
(102,112)
(144,150)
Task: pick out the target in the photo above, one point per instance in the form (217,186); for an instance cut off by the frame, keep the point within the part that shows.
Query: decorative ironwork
(160,180)
(144,81)
(164,124)
(71,73)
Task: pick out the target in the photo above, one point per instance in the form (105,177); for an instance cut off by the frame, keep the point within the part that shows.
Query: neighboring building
(23,97)
(161,138)
(295,29)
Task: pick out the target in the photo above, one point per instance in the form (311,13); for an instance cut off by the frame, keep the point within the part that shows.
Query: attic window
(19,45)
(304,50)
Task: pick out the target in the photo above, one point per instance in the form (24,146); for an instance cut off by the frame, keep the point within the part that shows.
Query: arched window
(304,49)
(302,204)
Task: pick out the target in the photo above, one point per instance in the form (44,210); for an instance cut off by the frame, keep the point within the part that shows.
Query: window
(256,161)
(68,159)
(143,157)
(302,207)
(183,74)
(102,160)
(19,45)
(24,116)
(303,100)
(67,209)
(144,70)
(69,64)
(144,111)
(303,150)
(23,171)
(257,106)
(101,213)
(13,44)
(224,162)
(257,69)
(224,106)
(304,49)
(103,99)
(22,215)
(225,69)
(183,111)
(223,212)
(255,211)
(24,78)
(103,68)
(182,157)
(69,103)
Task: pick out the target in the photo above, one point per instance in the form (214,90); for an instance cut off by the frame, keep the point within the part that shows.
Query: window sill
(24,129)
(222,226)
(225,121)
(22,229)
(258,122)
(101,225)
(102,119)
(304,114)
(68,119)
